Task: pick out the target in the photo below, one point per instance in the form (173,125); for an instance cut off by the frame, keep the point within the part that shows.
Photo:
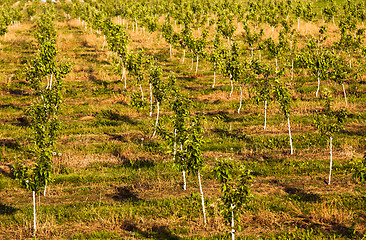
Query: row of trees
(44,75)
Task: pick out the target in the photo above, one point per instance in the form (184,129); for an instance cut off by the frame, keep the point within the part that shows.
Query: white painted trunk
(34,214)
(344,93)
(350,62)
(232,86)
(260,55)
(252,53)
(142,93)
(184,172)
(45,189)
(265,114)
(241,98)
(151,103)
(175,144)
(170,50)
(197,65)
(298,23)
(292,70)
(232,223)
(331,160)
(157,118)
(192,60)
(317,91)
(276,64)
(289,134)
(203,200)
(214,80)
(184,55)
(124,76)
(184,181)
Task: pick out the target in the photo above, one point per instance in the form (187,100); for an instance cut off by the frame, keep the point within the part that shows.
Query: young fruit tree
(193,155)
(283,96)
(158,90)
(329,122)
(235,188)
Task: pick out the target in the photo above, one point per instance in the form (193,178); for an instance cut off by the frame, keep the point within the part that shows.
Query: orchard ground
(112,180)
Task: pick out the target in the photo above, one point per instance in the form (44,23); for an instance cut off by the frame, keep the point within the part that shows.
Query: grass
(112,181)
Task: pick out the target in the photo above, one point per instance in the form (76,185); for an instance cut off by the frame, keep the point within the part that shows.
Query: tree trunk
(251,50)
(344,93)
(170,50)
(232,222)
(276,64)
(317,91)
(175,144)
(203,200)
(265,114)
(298,24)
(184,55)
(184,172)
(260,55)
(197,64)
(124,75)
(142,93)
(289,134)
(241,97)
(350,62)
(292,70)
(214,79)
(45,189)
(232,87)
(151,103)
(157,118)
(103,43)
(192,60)
(34,214)
(331,159)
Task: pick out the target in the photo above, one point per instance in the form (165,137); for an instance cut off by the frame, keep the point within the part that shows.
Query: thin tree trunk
(317,91)
(331,159)
(265,114)
(45,189)
(157,118)
(184,55)
(124,75)
(251,50)
(289,134)
(142,93)
(184,172)
(241,97)
(232,222)
(298,23)
(192,60)
(170,50)
(344,93)
(197,64)
(203,199)
(232,87)
(175,143)
(292,70)
(276,64)
(151,103)
(350,62)
(34,214)
(214,79)
(260,55)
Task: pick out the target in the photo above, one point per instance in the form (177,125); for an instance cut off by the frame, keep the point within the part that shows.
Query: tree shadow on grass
(301,195)
(153,232)
(7,210)
(124,193)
